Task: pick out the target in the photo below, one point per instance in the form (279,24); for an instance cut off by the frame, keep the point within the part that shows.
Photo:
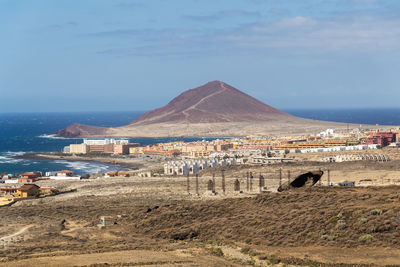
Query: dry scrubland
(158,223)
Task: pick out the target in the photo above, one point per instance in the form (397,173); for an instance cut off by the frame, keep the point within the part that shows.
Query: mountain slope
(213,102)
(214,109)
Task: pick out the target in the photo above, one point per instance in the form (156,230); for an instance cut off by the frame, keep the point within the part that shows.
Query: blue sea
(22,133)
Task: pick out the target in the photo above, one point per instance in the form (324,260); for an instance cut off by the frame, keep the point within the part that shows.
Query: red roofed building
(29,177)
(379,138)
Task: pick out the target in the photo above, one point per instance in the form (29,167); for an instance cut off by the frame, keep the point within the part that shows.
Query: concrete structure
(359,157)
(194,166)
(29,177)
(379,138)
(339,148)
(105,141)
(78,148)
(64,175)
(104,146)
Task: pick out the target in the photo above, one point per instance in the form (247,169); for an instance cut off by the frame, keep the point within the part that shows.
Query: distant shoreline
(51,156)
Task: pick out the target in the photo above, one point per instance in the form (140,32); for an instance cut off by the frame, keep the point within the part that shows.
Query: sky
(97,55)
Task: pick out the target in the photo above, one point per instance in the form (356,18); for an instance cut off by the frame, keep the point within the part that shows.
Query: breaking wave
(54,136)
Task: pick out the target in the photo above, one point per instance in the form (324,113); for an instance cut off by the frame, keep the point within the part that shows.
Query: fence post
(280,177)
(247,182)
(329,177)
(251,181)
(261,182)
(197,184)
(320,182)
(213,179)
(223,181)
(188,184)
(288,177)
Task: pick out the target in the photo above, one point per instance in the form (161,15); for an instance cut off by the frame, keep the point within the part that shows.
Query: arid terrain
(158,223)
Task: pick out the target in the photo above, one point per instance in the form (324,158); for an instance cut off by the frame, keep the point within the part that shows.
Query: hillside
(214,109)
(213,102)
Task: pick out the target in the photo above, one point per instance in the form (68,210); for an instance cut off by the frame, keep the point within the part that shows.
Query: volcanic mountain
(214,109)
(213,102)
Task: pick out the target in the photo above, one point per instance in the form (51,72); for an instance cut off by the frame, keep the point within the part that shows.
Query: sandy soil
(275,128)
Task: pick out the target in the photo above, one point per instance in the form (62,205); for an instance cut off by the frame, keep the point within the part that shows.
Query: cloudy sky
(95,55)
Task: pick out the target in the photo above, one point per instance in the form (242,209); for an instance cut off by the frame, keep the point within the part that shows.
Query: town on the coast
(189,158)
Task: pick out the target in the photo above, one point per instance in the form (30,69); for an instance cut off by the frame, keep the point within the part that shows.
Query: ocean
(22,133)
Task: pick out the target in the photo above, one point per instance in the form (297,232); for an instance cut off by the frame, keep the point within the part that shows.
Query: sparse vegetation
(365,238)
(340,225)
(376,212)
(217,252)
(358,212)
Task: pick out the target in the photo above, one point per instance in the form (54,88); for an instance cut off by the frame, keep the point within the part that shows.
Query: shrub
(217,252)
(363,220)
(273,260)
(245,250)
(358,212)
(376,212)
(340,225)
(334,219)
(255,221)
(365,238)
(328,237)
(310,234)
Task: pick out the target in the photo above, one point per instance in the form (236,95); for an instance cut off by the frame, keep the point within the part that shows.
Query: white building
(105,141)
(327,133)
(194,166)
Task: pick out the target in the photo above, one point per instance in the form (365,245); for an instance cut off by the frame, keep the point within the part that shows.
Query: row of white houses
(342,158)
(340,148)
(194,166)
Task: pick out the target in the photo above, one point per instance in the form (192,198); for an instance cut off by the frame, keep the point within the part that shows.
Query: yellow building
(27,190)
(136,150)
(78,148)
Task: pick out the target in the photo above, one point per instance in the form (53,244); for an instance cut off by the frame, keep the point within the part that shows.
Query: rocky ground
(157,222)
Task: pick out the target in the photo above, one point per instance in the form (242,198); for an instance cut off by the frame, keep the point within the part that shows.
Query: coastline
(128,163)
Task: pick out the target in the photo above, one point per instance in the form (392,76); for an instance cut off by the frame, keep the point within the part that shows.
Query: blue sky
(95,55)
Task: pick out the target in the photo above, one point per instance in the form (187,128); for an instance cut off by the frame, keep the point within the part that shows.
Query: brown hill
(214,109)
(213,102)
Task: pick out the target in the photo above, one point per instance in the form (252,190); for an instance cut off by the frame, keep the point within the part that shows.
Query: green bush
(365,238)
